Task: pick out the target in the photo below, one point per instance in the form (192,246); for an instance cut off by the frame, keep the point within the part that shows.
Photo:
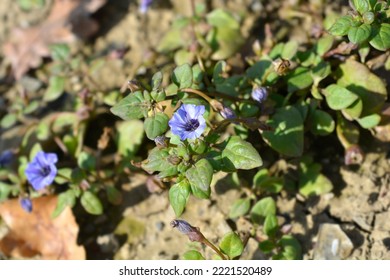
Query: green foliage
(239,154)
(133,106)
(178,196)
(231,245)
(239,208)
(193,255)
(156,125)
(287,134)
(91,203)
(370,24)
(199,176)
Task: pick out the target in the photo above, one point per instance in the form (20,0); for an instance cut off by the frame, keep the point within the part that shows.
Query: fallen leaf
(37,233)
(67,21)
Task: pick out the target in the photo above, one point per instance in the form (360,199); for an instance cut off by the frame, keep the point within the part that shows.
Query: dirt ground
(139,228)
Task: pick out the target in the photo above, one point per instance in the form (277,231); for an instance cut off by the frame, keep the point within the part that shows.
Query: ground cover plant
(240,130)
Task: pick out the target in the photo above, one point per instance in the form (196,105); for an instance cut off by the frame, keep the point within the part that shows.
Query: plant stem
(215,249)
(198,92)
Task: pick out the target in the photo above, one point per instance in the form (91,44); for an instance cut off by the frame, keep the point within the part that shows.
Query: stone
(332,243)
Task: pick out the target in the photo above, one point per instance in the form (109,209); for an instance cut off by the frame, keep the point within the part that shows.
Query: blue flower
(42,170)
(26,204)
(259,94)
(188,121)
(143,8)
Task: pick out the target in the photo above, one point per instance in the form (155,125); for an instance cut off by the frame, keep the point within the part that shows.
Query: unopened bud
(259,94)
(228,113)
(26,204)
(193,233)
(161,141)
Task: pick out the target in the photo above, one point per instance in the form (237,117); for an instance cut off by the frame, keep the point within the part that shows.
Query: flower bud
(193,233)
(26,204)
(161,141)
(228,113)
(259,94)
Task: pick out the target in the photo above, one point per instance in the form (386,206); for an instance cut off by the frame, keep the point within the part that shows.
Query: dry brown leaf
(68,20)
(36,233)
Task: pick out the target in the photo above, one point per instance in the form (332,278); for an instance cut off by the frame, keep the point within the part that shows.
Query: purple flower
(143,8)
(259,94)
(26,204)
(188,121)
(6,158)
(42,170)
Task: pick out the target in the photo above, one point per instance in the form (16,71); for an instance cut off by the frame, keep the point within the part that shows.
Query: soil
(140,227)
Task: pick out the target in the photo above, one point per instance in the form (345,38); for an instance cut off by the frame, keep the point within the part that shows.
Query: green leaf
(178,196)
(114,196)
(292,250)
(9,120)
(264,182)
(299,78)
(263,208)
(199,176)
(5,191)
(86,161)
(31,107)
(34,150)
(222,19)
(271,225)
(239,208)
(182,76)
(239,154)
(359,34)
(226,38)
(347,132)
(339,97)
(91,203)
(361,6)
(311,181)
(156,125)
(55,89)
(341,26)
(65,199)
(157,80)
(60,52)
(63,175)
(258,70)
(28,5)
(289,50)
(322,123)
(63,121)
(172,40)
(130,136)
(381,38)
(133,106)
(369,121)
(353,111)
(231,245)
(320,71)
(357,78)
(158,160)
(324,44)
(266,246)
(193,255)
(287,134)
